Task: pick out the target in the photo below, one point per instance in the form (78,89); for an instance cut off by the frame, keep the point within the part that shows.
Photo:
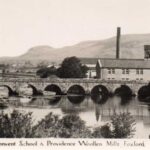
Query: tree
(72,68)
(45,72)
(70,126)
(16,125)
(123,125)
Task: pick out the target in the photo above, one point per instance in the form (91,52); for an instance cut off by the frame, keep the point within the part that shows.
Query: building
(91,64)
(124,69)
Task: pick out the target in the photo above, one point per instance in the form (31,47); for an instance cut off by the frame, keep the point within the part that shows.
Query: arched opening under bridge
(10,92)
(54,89)
(99,94)
(125,92)
(76,90)
(144,93)
(34,90)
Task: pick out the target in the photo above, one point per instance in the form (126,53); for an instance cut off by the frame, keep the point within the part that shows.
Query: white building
(91,64)
(123,69)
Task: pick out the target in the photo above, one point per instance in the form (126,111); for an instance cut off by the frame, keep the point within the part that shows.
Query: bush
(45,72)
(71,126)
(123,125)
(47,127)
(102,132)
(16,125)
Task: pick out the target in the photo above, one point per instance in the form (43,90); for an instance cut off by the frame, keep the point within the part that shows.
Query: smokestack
(118,43)
(147,51)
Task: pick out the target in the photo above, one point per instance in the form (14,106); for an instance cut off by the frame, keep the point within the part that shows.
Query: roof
(89,60)
(124,63)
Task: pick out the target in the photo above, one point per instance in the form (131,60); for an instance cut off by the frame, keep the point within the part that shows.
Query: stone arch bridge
(65,84)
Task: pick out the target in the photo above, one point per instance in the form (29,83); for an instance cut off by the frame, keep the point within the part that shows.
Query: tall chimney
(147,51)
(118,43)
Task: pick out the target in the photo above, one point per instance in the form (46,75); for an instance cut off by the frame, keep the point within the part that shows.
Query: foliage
(71,126)
(71,67)
(47,127)
(102,132)
(123,125)
(16,125)
(67,127)
(44,72)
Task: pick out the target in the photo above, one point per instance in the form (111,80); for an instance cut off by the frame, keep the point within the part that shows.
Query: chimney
(147,51)
(118,43)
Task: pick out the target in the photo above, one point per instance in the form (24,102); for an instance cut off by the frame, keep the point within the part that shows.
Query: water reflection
(125,100)
(99,99)
(97,112)
(69,106)
(76,99)
(93,110)
(54,100)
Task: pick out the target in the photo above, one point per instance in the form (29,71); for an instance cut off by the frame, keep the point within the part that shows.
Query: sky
(57,23)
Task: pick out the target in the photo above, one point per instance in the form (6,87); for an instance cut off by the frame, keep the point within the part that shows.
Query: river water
(92,113)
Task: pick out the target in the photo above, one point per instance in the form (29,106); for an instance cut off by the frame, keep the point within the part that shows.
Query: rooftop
(124,63)
(91,61)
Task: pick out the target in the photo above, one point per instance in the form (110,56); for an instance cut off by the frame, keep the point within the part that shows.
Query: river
(92,113)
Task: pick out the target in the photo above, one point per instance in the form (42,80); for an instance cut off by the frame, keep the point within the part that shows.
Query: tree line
(71,67)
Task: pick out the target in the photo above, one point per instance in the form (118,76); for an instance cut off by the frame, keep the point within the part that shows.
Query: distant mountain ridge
(131,46)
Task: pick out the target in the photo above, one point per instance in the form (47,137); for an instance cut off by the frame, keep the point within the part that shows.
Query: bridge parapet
(55,80)
(65,84)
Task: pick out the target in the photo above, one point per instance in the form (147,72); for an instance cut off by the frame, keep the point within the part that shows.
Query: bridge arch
(144,92)
(34,89)
(53,88)
(99,94)
(123,90)
(98,89)
(10,90)
(76,89)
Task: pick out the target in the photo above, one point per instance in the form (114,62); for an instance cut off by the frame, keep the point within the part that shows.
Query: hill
(132,46)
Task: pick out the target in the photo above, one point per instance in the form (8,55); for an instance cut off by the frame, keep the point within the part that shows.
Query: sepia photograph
(75,69)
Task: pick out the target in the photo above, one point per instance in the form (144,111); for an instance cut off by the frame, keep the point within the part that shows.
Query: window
(139,71)
(111,71)
(125,71)
(127,79)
